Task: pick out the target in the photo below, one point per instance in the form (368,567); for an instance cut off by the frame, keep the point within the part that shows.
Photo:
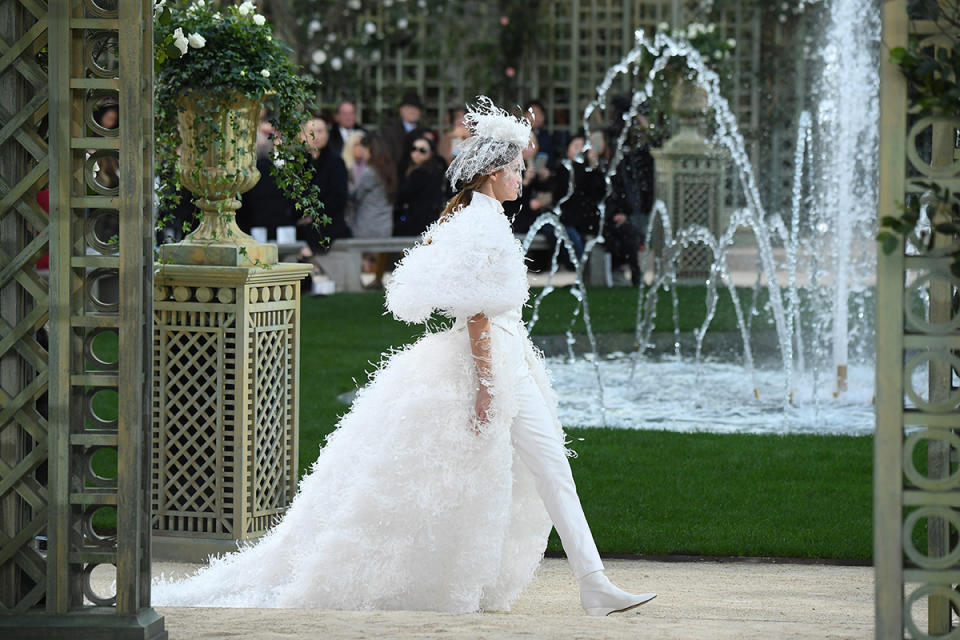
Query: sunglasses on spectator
(422,149)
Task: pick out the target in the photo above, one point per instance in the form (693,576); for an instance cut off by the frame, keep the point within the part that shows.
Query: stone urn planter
(217,164)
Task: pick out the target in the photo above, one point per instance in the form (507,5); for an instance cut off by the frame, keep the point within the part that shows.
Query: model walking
(438,489)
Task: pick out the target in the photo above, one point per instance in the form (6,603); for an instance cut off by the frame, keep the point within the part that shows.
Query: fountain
(828,265)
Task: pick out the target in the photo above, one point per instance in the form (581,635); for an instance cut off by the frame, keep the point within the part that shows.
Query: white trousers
(535,440)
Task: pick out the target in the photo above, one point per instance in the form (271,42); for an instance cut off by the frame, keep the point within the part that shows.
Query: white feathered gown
(406,507)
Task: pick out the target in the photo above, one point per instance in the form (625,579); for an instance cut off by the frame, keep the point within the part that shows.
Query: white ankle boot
(600,597)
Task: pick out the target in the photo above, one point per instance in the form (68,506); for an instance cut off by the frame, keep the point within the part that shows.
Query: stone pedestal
(689,180)
(225,404)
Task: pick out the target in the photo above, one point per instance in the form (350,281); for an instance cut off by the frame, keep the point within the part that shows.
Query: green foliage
(210,52)
(932,77)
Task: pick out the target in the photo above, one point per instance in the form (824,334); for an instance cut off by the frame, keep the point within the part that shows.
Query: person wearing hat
(400,132)
(439,487)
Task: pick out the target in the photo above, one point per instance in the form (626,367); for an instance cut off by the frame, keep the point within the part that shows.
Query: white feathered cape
(406,507)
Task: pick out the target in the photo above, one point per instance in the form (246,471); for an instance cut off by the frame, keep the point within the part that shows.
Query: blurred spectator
(536,113)
(579,212)
(451,140)
(107,115)
(630,201)
(399,133)
(370,212)
(354,164)
(420,196)
(264,205)
(344,125)
(330,176)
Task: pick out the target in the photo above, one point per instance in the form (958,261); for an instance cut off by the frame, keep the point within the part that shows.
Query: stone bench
(343,263)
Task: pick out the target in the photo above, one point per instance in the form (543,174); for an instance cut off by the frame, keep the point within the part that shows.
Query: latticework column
(916,481)
(225,404)
(73,410)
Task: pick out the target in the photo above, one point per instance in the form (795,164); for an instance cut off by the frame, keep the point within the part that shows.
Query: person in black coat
(330,175)
(399,133)
(344,126)
(420,195)
(629,204)
(265,205)
(580,212)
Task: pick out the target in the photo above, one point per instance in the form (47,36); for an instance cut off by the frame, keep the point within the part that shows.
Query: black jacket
(265,205)
(581,209)
(419,200)
(330,175)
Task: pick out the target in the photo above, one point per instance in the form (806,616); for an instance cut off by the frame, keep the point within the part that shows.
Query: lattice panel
(272,343)
(193,452)
(24,310)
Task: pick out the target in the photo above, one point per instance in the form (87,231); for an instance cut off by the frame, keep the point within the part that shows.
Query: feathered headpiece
(496,140)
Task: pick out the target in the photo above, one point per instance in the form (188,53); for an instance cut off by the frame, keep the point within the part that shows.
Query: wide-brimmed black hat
(412,99)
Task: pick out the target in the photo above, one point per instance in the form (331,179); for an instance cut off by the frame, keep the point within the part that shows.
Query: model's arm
(479,329)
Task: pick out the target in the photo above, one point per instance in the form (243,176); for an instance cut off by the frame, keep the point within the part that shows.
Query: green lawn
(644,492)
(651,492)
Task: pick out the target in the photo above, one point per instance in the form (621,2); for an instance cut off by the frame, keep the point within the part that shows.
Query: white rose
(336,64)
(348,53)
(354,4)
(313,27)
(663,26)
(259,20)
(196,40)
(246,8)
(158,8)
(180,41)
(402,23)
(331,37)
(717,55)
(370,28)
(243,73)
(265,73)
(731,42)
(319,57)
(199,3)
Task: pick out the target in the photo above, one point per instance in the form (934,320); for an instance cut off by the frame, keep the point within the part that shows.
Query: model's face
(506,182)
(346,115)
(110,119)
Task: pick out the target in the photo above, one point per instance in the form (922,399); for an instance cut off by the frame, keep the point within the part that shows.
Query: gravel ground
(708,600)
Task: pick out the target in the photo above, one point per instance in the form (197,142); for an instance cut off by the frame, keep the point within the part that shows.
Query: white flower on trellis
(370,28)
(349,53)
(319,57)
(217,16)
(375,55)
(265,73)
(388,3)
(336,63)
(243,73)
(354,4)
(402,23)
(196,40)
(422,4)
(180,41)
(246,8)
(718,55)
(259,20)
(313,27)
(731,42)
(663,26)
(711,28)
(158,7)
(331,37)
